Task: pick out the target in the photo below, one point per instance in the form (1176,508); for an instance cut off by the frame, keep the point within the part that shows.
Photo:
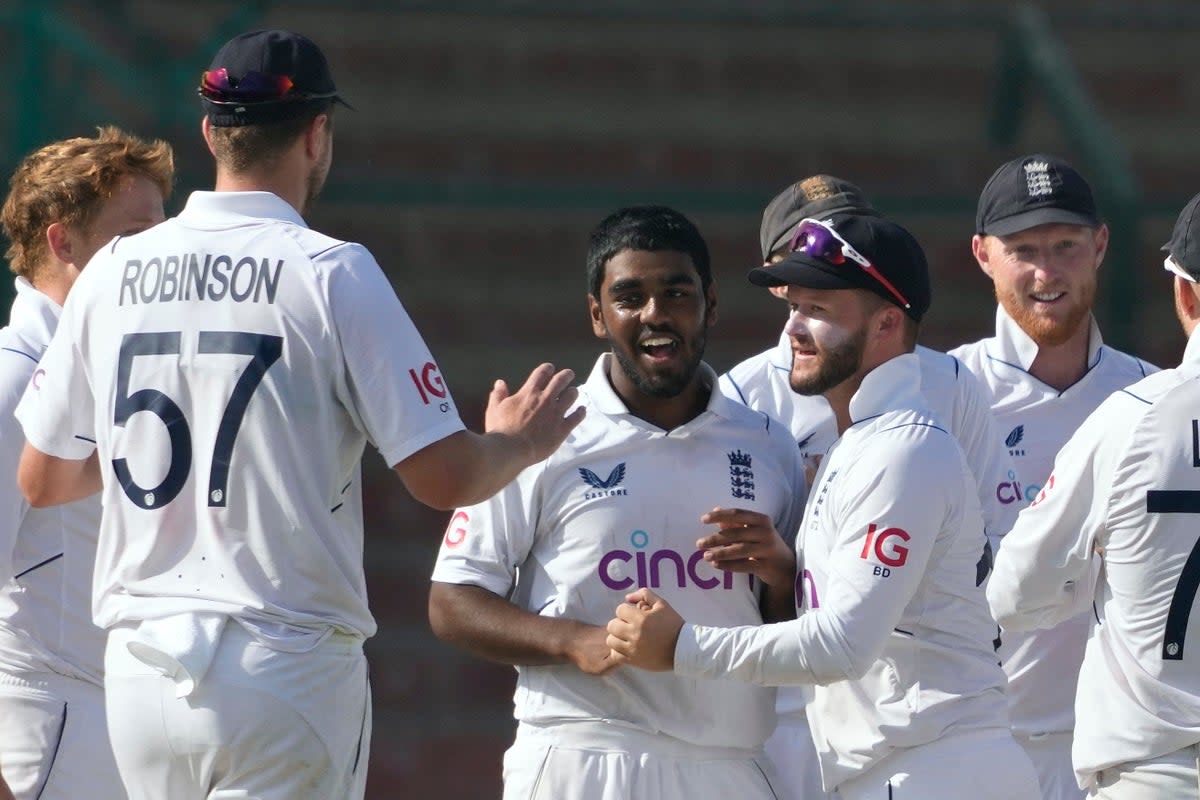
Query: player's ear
(60,242)
(1100,238)
(206,132)
(597,315)
(710,304)
(979,248)
(314,136)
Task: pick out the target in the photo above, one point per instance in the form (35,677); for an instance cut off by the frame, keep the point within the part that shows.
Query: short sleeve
(57,411)
(485,543)
(396,387)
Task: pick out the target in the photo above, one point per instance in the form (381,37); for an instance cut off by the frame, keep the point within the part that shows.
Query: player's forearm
(779,602)
(464,468)
(491,627)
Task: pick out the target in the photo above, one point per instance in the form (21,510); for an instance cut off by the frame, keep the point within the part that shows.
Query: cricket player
(894,633)
(1126,485)
(763,382)
(68,199)
(666,484)
(216,378)
(1040,239)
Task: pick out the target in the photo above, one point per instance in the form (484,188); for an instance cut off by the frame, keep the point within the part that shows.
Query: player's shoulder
(971,354)
(1122,367)
(912,433)
(750,378)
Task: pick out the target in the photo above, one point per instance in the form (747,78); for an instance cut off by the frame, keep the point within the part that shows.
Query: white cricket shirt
(1035,421)
(47,554)
(229,365)
(895,629)
(951,393)
(618,507)
(1128,481)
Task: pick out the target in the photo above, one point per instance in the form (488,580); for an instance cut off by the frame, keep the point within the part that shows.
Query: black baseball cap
(891,249)
(815,196)
(1184,246)
(1034,190)
(266,76)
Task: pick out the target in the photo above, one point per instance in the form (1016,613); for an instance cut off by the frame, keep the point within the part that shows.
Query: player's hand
(644,632)
(590,652)
(537,413)
(748,542)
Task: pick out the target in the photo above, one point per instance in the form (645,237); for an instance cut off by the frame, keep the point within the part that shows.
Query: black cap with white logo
(1184,246)
(1034,190)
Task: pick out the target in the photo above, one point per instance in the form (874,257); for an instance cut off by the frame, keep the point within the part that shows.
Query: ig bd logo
(638,568)
(885,546)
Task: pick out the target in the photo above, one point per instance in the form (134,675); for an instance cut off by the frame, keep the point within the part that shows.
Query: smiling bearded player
(530,577)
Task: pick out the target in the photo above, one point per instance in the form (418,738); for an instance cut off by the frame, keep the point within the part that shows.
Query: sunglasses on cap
(217,86)
(819,240)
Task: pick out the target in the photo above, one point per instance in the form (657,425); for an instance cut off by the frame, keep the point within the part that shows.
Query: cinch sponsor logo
(456,531)
(1011,491)
(639,568)
(806,591)
(1014,438)
(605,487)
(885,549)
(429,384)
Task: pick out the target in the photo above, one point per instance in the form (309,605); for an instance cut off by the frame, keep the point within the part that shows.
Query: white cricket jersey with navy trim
(1035,421)
(895,630)
(1127,483)
(618,507)
(47,554)
(229,365)
(951,392)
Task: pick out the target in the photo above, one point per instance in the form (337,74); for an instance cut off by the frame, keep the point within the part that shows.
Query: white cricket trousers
(604,761)
(1175,776)
(976,765)
(53,740)
(792,752)
(262,724)
(1051,757)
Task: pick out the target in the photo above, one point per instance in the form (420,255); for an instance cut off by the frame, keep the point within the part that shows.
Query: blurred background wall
(491,136)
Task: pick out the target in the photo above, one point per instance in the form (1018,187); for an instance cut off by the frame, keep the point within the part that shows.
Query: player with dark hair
(530,577)
(66,201)
(217,378)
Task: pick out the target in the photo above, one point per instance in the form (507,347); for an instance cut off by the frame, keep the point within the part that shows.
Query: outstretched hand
(644,632)
(536,414)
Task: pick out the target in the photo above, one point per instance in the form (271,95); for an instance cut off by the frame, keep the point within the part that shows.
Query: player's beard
(1048,331)
(315,181)
(664,384)
(838,363)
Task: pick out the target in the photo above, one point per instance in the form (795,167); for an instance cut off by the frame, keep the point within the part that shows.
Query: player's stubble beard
(1048,331)
(839,362)
(664,384)
(317,176)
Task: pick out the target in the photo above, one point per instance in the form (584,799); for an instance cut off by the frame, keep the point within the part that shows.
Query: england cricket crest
(741,475)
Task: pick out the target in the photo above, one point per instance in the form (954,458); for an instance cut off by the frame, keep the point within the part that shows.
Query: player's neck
(667,413)
(1062,365)
(280,183)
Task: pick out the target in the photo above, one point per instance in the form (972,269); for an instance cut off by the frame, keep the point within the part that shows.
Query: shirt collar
(606,400)
(1016,347)
(33,308)
(896,383)
(241,205)
(782,355)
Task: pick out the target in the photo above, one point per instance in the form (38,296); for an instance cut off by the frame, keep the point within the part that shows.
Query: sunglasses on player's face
(218,86)
(819,240)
